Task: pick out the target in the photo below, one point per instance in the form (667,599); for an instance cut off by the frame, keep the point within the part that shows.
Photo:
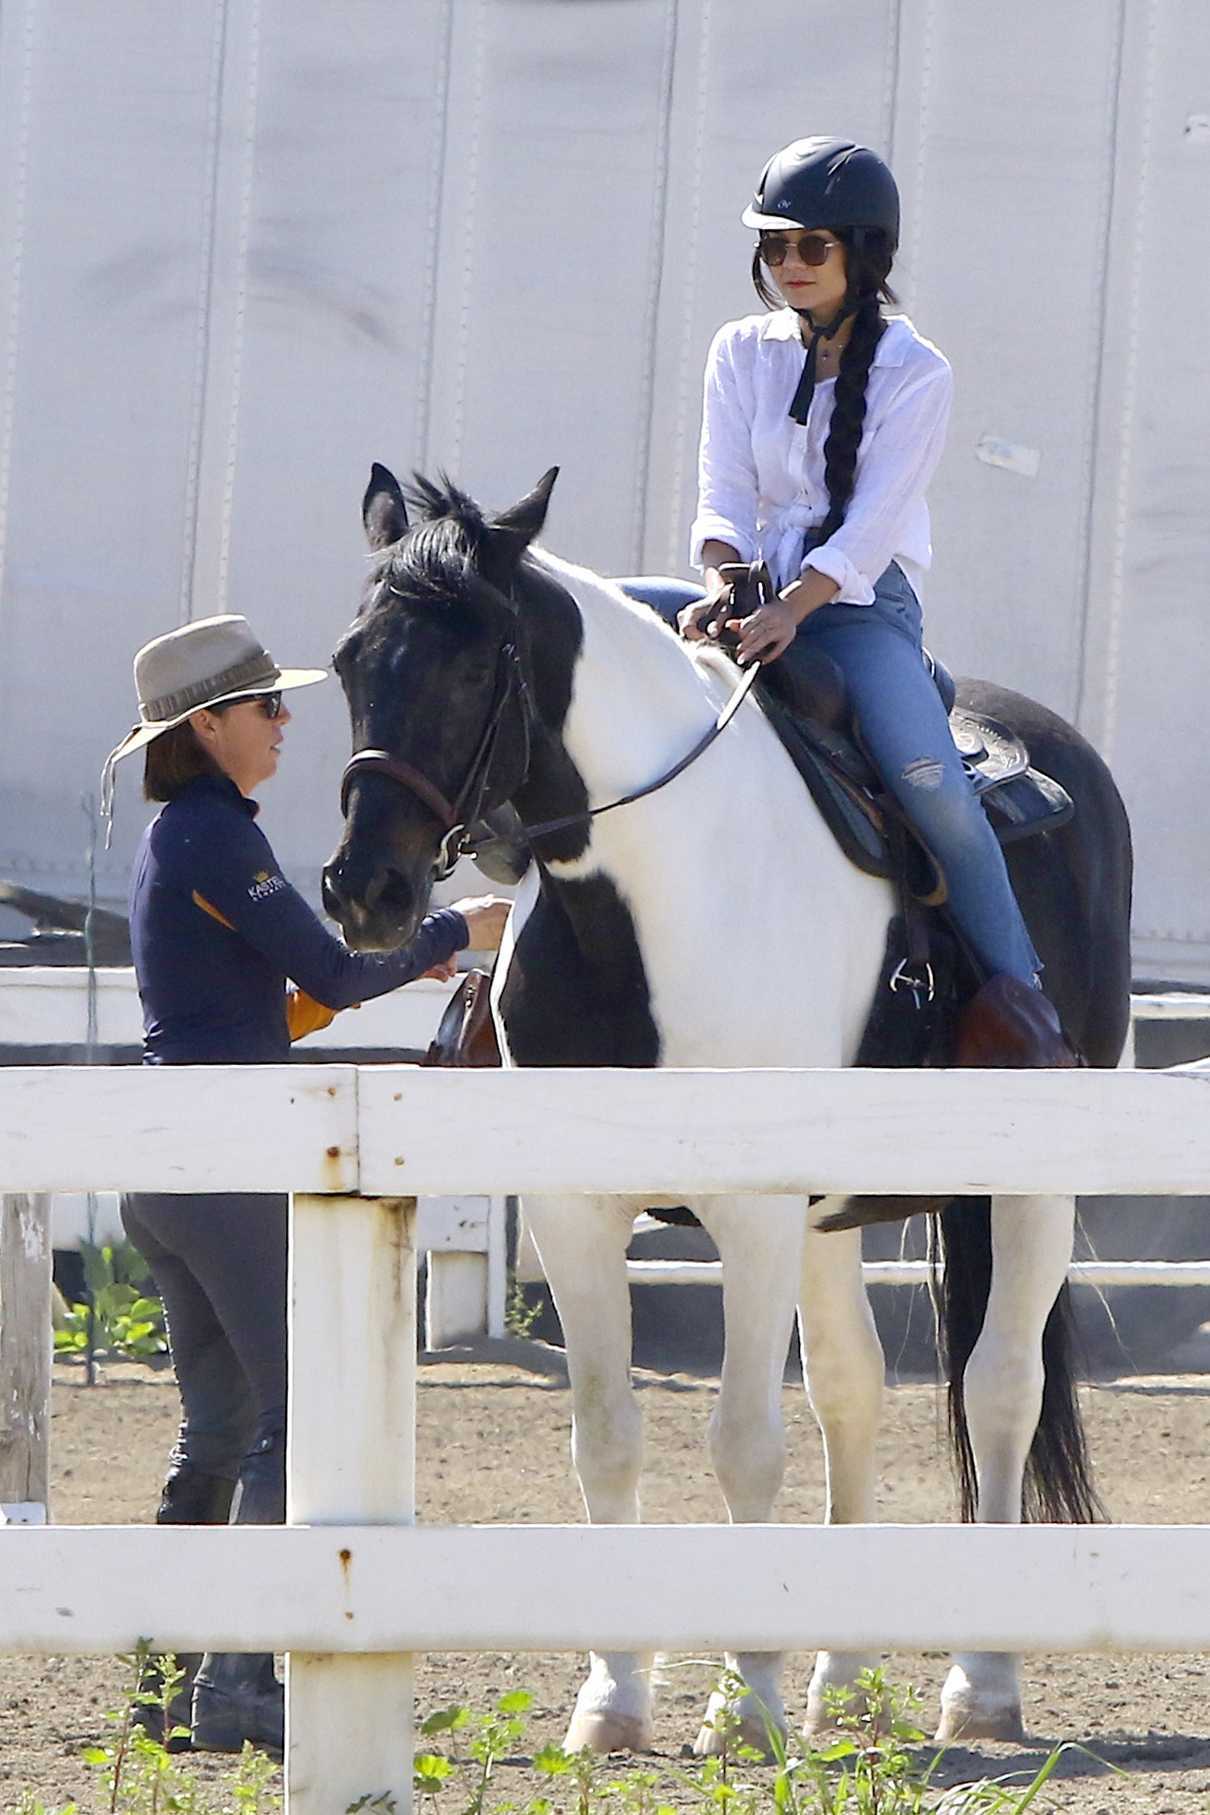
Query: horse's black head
(431,670)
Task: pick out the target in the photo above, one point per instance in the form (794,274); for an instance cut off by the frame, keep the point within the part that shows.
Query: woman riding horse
(819,467)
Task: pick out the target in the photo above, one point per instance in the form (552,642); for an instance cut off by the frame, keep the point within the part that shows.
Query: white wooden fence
(353,1595)
(464,1237)
(1167,1005)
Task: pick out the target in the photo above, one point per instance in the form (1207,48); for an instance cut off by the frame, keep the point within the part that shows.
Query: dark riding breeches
(219,1264)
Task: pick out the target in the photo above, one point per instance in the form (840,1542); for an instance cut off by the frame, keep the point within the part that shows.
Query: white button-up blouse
(761,475)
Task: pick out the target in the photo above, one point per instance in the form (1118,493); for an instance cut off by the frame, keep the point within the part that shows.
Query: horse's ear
(382,509)
(510,534)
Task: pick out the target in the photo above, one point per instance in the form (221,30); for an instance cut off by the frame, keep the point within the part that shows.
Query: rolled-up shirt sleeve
(893,474)
(726,471)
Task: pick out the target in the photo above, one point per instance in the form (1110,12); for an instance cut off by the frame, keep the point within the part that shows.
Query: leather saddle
(808,706)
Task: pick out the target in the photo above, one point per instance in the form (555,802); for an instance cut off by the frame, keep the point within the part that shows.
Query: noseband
(455,817)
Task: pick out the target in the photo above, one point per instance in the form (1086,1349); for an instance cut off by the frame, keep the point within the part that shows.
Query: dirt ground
(493,1446)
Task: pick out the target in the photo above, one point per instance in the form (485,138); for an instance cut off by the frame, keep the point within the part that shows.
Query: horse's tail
(1058,1487)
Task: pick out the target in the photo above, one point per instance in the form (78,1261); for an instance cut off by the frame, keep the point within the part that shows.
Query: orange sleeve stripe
(208,907)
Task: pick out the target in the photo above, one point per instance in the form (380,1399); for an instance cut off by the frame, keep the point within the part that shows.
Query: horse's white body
(775,965)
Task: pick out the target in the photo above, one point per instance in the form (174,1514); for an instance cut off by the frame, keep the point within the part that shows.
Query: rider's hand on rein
(704,617)
(766,634)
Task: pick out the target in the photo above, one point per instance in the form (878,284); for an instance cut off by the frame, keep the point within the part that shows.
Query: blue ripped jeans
(907,736)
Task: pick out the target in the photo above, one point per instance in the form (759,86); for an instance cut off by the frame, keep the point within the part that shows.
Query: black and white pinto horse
(714,923)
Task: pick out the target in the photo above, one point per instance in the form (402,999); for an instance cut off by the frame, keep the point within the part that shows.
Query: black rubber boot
(189,1497)
(236,1695)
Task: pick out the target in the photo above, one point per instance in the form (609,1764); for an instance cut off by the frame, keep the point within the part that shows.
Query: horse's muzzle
(377,911)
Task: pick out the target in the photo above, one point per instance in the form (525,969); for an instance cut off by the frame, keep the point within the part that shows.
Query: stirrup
(923,985)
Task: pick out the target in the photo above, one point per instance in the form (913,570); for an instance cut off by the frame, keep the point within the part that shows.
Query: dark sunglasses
(269,703)
(812,248)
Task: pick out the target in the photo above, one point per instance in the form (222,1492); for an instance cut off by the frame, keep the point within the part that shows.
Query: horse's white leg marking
(582,1242)
(759,1241)
(843,1370)
(1031,1248)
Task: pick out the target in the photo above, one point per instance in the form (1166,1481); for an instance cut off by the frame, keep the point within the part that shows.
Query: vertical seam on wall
(428,323)
(676,531)
(1117,579)
(890,88)
(205,305)
(1099,311)
(469,237)
(926,75)
(241,301)
(659,215)
(12,344)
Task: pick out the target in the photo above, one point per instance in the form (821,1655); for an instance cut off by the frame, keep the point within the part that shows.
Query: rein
(738,696)
(457,816)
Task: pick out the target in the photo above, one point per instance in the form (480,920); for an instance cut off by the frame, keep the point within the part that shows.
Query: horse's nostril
(387,888)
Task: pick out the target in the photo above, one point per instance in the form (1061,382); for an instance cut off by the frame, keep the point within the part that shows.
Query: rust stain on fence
(345,1558)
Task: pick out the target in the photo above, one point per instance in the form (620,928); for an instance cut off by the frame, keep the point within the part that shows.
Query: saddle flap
(466,1035)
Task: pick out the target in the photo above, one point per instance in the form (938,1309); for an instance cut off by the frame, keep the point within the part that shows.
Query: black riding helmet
(825,183)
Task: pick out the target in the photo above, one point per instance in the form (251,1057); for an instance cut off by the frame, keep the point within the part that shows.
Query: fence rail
(356,1589)
(352,1598)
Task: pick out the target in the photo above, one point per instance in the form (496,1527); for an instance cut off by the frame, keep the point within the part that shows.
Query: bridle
(456,817)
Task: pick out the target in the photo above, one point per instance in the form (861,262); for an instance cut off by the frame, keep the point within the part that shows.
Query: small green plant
(520,1315)
(120,1319)
(139,1776)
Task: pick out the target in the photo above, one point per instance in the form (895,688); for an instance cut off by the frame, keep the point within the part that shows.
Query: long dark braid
(848,411)
(868,256)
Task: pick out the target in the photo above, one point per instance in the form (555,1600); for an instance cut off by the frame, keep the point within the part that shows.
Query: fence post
(25,1355)
(351,1460)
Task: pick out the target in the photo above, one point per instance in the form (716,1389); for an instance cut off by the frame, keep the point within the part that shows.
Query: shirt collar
(225,788)
(783,324)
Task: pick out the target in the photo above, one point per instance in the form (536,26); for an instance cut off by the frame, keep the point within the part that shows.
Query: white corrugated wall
(246,248)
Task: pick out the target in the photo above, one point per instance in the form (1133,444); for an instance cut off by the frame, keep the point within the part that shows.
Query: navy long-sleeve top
(216,930)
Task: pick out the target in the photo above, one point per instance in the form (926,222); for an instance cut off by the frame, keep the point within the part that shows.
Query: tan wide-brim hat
(202,664)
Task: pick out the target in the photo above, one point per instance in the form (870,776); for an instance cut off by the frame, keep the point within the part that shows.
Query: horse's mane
(436,557)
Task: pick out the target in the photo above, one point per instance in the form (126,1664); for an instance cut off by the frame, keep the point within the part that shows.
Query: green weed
(874,1765)
(120,1318)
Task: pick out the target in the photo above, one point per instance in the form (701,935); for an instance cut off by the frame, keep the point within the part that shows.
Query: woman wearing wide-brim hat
(216,933)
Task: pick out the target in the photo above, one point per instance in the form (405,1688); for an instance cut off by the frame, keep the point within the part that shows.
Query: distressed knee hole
(926,772)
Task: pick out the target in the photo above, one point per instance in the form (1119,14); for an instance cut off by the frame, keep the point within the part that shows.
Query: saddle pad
(1019,801)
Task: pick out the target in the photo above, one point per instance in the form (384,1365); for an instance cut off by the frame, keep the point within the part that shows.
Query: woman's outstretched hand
(485,916)
(441,973)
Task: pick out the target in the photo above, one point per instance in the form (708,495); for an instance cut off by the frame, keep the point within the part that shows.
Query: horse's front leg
(760,1244)
(1031,1249)
(843,1370)
(582,1243)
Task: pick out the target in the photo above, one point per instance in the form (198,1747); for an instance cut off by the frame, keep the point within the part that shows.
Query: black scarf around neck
(800,404)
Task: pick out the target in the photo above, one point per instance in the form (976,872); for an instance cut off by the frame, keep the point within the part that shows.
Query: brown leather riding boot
(1006,1026)
(1009,1026)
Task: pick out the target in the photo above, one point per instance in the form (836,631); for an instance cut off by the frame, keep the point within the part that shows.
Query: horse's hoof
(748,1728)
(710,1743)
(598,1731)
(962,1722)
